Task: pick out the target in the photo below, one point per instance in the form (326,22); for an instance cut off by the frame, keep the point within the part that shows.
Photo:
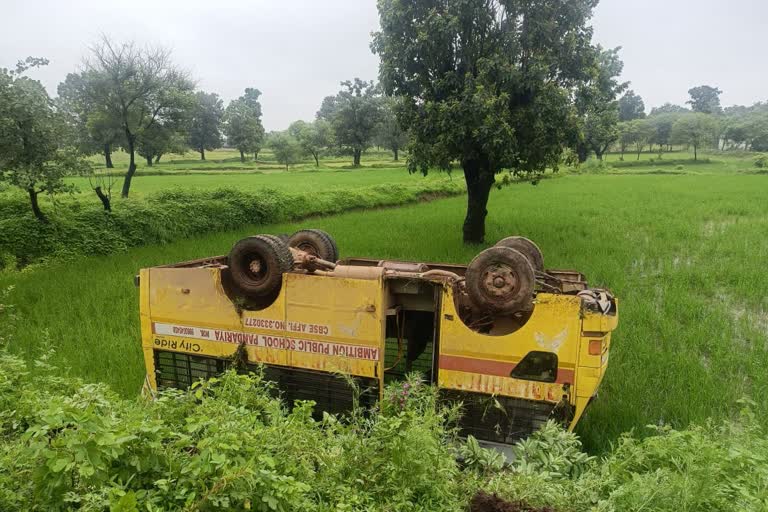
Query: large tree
(662,129)
(488,83)
(597,106)
(285,147)
(95,129)
(631,107)
(705,99)
(669,108)
(161,139)
(389,133)
(313,137)
(205,125)
(353,114)
(243,126)
(31,135)
(696,130)
(641,133)
(139,86)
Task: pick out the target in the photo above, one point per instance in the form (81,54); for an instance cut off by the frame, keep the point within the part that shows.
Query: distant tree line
(704,124)
(136,99)
(490,86)
(352,121)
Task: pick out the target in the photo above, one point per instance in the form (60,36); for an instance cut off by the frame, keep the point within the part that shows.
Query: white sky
(297,51)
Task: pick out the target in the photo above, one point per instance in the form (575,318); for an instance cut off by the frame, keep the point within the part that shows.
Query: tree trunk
(479,179)
(242,157)
(105,201)
(131,165)
(149,161)
(35,206)
(356,158)
(108,156)
(202,153)
(638,154)
(317,160)
(157,158)
(255,156)
(622,154)
(599,154)
(695,153)
(582,152)
(396,151)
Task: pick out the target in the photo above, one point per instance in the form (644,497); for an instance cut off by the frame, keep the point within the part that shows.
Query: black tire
(529,249)
(500,281)
(256,266)
(315,242)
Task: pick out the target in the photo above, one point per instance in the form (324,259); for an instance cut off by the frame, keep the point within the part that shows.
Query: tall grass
(685,255)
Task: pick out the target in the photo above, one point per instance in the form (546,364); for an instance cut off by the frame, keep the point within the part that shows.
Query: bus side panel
(481,363)
(347,317)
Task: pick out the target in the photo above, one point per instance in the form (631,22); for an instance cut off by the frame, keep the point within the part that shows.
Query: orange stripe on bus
(492,367)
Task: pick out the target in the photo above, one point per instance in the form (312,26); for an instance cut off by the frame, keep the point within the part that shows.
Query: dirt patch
(484,502)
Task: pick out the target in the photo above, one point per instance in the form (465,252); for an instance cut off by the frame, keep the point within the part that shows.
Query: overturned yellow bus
(515,343)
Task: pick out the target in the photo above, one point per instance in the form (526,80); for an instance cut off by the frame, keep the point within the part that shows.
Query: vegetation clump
(229,444)
(85,229)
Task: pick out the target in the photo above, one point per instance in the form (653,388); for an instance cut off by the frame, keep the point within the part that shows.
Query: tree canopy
(95,130)
(353,114)
(696,129)
(631,107)
(136,87)
(285,147)
(313,138)
(488,84)
(205,125)
(389,133)
(705,99)
(243,126)
(597,106)
(32,134)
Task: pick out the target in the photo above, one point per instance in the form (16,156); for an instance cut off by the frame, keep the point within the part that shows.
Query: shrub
(79,228)
(761,162)
(228,444)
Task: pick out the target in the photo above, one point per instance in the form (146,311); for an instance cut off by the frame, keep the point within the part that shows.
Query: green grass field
(683,252)
(223,168)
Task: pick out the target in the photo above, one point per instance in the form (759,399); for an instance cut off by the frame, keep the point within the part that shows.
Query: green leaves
(229,445)
(489,81)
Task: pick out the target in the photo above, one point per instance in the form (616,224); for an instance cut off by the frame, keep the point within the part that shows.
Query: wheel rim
(500,281)
(308,248)
(256,267)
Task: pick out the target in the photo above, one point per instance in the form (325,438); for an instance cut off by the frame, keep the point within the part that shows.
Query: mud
(484,502)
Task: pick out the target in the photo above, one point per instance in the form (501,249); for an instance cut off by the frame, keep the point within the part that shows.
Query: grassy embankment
(683,252)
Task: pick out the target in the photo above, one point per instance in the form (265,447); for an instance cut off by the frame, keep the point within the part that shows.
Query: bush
(595,166)
(224,445)
(227,444)
(79,228)
(761,162)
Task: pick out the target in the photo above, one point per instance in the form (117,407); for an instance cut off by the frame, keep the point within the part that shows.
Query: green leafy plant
(551,451)
(479,459)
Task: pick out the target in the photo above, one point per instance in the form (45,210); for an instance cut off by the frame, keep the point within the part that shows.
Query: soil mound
(484,502)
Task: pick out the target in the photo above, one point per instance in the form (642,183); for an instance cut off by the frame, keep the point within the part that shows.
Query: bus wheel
(257,264)
(315,242)
(500,281)
(529,249)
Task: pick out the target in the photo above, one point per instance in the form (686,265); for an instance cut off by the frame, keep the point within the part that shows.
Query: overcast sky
(297,51)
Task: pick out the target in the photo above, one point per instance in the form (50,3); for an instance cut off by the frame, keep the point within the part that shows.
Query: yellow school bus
(514,343)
